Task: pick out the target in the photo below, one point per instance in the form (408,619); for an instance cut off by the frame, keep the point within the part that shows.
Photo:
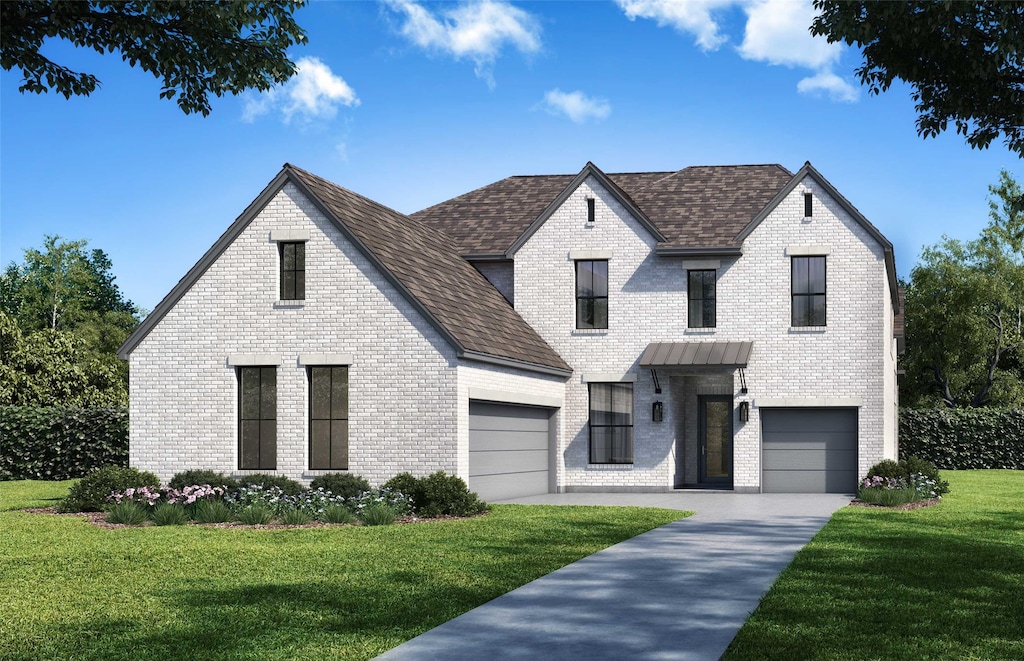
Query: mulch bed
(98,519)
(906,506)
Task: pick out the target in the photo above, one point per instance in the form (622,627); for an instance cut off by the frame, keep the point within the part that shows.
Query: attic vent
(808,205)
(590,209)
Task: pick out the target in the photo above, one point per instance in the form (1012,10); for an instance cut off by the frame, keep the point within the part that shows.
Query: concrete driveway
(678,592)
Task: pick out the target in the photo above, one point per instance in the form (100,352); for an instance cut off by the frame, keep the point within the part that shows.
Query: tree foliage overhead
(196,48)
(965,314)
(964,60)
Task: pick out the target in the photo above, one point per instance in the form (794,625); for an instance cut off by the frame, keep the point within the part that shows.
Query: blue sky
(413,103)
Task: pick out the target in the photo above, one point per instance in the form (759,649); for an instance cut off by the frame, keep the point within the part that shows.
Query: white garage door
(509,450)
(809,450)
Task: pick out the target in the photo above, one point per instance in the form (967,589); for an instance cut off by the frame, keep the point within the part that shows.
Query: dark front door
(715,440)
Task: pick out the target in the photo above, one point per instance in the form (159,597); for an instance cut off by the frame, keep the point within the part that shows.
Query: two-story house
(721,327)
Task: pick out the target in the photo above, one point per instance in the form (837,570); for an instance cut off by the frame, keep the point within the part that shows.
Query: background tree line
(62,318)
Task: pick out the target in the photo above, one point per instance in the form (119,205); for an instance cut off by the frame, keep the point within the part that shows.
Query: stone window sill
(590,331)
(808,329)
(286,305)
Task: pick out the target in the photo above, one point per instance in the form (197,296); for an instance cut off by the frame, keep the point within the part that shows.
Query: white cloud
(828,83)
(577,106)
(776,32)
(314,92)
(692,16)
(477,31)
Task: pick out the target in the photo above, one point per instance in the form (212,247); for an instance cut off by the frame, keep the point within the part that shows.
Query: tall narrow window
(590,210)
(808,205)
(257,417)
(592,294)
(700,290)
(611,423)
(808,285)
(328,418)
(293,271)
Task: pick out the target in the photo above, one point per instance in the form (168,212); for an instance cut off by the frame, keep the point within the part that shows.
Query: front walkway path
(678,592)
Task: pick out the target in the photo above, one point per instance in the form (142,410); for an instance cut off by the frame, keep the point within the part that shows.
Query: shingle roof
(695,207)
(427,264)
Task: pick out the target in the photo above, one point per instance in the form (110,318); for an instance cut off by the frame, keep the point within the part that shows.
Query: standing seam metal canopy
(696,354)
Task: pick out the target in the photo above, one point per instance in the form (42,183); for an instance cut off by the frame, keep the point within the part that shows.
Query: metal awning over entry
(696,354)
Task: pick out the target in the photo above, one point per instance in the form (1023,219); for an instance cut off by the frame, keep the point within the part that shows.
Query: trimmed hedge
(959,439)
(59,443)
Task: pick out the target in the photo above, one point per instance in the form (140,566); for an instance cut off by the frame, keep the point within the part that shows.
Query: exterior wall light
(657,412)
(744,411)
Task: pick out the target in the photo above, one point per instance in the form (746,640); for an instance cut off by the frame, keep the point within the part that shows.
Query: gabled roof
(421,262)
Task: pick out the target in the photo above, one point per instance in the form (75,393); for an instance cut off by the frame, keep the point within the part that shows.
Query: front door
(715,440)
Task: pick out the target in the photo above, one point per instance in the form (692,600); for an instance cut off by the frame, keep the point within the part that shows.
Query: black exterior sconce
(744,411)
(657,412)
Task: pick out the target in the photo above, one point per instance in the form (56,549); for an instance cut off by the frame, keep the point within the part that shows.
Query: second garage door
(809,450)
(509,450)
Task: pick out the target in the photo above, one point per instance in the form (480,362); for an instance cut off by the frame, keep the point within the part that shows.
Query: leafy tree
(197,48)
(965,313)
(962,60)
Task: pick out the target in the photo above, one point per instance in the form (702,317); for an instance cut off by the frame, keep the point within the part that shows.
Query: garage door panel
(486,417)
(790,481)
(509,485)
(518,461)
(811,440)
(480,440)
(804,459)
(786,420)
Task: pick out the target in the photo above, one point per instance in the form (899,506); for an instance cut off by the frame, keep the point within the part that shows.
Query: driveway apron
(678,592)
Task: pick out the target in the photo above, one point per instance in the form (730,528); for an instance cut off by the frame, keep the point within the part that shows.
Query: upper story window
(257,418)
(700,290)
(611,423)
(328,417)
(591,212)
(293,271)
(808,290)
(592,293)
(808,205)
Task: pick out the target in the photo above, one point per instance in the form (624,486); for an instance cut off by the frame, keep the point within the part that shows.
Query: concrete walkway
(678,592)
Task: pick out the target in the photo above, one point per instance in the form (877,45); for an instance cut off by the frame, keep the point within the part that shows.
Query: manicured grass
(73,590)
(943,582)
(31,493)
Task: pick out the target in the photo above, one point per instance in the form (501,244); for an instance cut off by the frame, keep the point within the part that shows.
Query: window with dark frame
(257,418)
(293,271)
(611,423)
(808,205)
(328,418)
(592,294)
(701,295)
(590,210)
(808,288)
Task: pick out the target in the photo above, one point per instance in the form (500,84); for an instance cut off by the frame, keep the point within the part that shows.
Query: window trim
(807,323)
(591,425)
(595,297)
(242,420)
(296,294)
(690,322)
(331,466)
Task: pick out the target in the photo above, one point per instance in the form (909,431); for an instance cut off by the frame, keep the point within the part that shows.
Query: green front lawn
(73,590)
(943,582)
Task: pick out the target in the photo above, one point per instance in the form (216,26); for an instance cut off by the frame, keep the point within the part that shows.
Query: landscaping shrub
(211,511)
(893,483)
(346,485)
(395,500)
(128,513)
(288,486)
(166,514)
(337,514)
(408,484)
(448,495)
(151,497)
(295,518)
(887,468)
(90,493)
(255,515)
(192,477)
(378,514)
(61,443)
(960,439)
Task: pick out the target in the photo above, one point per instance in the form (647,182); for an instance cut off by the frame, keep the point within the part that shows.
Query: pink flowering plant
(891,491)
(150,497)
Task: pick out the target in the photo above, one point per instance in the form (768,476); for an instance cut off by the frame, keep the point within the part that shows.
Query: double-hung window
(700,290)
(611,423)
(328,418)
(293,271)
(257,418)
(808,290)
(592,294)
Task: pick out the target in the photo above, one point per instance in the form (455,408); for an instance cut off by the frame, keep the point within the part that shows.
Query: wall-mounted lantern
(744,411)
(657,412)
